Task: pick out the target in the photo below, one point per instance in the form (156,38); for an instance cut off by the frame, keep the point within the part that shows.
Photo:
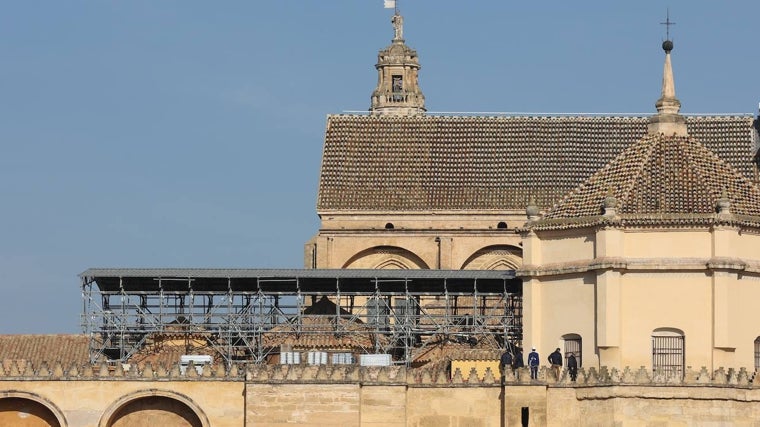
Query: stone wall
(288,395)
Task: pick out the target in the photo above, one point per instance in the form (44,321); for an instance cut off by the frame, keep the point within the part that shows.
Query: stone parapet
(27,371)
(386,375)
(642,376)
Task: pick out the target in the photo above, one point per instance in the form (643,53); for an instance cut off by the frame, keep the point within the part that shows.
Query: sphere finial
(667,45)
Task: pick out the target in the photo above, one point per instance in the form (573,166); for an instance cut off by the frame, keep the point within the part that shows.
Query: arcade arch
(496,257)
(386,257)
(22,409)
(154,408)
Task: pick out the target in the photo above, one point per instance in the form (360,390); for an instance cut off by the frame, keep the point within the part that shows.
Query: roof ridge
(624,201)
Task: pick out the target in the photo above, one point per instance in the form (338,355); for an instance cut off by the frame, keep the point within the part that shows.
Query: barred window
(574,345)
(757,354)
(668,351)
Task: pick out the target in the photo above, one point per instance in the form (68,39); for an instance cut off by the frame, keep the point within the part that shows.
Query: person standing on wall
(555,360)
(533,363)
(506,362)
(572,366)
(517,362)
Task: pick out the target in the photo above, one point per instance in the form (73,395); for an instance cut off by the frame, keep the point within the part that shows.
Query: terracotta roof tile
(438,348)
(166,349)
(66,349)
(322,332)
(662,177)
(451,163)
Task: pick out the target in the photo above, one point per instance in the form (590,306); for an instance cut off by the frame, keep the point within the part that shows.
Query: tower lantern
(398,91)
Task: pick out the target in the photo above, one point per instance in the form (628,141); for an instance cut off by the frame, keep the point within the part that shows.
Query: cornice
(713,264)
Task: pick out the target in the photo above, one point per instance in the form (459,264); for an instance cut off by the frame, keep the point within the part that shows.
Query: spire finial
(667,25)
(668,121)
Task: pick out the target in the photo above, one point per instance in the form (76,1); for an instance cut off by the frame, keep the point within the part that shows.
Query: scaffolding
(251,315)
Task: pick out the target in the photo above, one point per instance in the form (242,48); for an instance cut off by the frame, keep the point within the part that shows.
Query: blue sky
(188,133)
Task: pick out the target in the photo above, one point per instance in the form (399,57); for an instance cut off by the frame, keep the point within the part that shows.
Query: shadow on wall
(155,411)
(20,412)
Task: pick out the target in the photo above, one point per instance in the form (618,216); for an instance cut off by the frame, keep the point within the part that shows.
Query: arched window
(668,351)
(389,226)
(757,354)
(574,345)
(501,225)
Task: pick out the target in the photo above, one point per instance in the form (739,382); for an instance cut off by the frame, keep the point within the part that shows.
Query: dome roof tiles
(376,163)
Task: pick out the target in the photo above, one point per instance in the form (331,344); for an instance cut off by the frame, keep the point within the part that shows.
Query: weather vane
(667,24)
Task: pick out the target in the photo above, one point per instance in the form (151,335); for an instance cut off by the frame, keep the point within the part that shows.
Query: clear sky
(188,133)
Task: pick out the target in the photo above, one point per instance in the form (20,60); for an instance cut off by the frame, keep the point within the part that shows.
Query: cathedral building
(628,242)
(608,220)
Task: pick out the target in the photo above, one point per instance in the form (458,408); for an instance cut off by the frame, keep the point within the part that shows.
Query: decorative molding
(12,370)
(434,376)
(641,264)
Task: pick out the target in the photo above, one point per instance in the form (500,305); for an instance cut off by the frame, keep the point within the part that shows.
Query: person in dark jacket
(506,362)
(555,360)
(572,366)
(517,362)
(533,361)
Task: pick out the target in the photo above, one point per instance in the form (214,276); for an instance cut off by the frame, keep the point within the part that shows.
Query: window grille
(668,353)
(574,344)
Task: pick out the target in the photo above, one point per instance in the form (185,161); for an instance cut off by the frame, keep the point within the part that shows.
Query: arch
(24,409)
(667,332)
(163,407)
(389,226)
(502,225)
(495,257)
(386,257)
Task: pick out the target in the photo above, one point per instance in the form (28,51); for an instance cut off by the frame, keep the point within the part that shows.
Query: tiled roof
(438,348)
(321,332)
(66,349)
(166,350)
(480,163)
(662,177)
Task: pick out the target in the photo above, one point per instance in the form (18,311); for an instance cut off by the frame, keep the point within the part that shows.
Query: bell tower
(398,90)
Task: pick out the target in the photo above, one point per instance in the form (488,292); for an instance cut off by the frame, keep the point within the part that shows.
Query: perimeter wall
(280,396)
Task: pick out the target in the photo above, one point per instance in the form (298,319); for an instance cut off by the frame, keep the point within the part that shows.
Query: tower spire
(398,91)
(668,121)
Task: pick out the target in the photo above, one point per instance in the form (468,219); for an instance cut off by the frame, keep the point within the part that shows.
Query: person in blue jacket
(533,363)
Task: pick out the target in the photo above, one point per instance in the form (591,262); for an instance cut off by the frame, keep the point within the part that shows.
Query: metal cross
(667,24)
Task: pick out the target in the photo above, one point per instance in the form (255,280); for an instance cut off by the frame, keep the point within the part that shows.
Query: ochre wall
(567,307)
(703,282)
(566,248)
(667,244)
(439,239)
(625,398)
(646,406)
(85,402)
(311,405)
(437,407)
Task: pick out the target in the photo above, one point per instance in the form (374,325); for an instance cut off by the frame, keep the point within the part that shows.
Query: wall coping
(388,375)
